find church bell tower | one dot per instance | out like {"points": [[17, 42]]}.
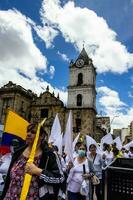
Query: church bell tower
{"points": [[82, 94]]}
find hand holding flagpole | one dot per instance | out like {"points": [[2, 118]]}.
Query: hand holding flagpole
{"points": [[28, 177]]}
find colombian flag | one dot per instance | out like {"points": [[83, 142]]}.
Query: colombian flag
{"points": [[15, 127]]}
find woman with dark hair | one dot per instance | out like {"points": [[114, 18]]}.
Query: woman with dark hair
{"points": [[82, 169], [98, 163], [45, 172]]}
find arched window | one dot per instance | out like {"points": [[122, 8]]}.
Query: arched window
{"points": [[79, 100], [80, 79]]}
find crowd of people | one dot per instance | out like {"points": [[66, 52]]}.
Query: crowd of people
{"points": [[55, 176]]}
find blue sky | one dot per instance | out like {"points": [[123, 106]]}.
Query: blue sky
{"points": [[38, 39]]}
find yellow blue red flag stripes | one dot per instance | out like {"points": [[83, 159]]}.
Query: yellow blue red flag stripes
{"points": [[27, 178], [16, 125]]}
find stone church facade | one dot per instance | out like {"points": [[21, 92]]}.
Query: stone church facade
{"points": [[81, 99]]}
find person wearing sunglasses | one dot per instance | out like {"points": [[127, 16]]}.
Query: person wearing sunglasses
{"points": [[46, 174]]}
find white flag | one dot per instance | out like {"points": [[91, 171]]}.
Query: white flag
{"points": [[118, 143], [89, 141], [69, 139], [106, 139], [55, 131], [75, 141], [128, 145]]}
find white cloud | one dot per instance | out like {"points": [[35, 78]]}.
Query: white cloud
{"points": [[47, 34], [63, 56], [112, 106], [101, 81], [36, 84], [20, 59], [123, 120], [110, 98], [18, 50], [52, 71], [81, 24], [130, 94]]}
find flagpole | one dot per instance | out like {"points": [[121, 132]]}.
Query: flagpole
{"points": [[28, 177]]}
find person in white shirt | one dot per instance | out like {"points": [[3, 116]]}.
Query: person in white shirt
{"points": [[124, 154], [98, 163], [108, 155], [81, 169]]}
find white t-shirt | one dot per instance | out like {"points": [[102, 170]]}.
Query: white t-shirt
{"points": [[75, 177], [109, 157], [125, 155], [75, 154]]}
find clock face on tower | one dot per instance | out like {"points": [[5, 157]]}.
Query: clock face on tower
{"points": [[79, 62]]}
